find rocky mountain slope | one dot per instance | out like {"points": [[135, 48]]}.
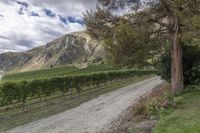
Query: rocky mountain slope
{"points": [[73, 48]]}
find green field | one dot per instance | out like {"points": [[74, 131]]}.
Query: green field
{"points": [[59, 71], [184, 119]]}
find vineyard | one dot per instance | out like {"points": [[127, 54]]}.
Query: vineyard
{"points": [[57, 71], [19, 92]]}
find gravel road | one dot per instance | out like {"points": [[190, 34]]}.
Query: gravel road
{"points": [[93, 116]]}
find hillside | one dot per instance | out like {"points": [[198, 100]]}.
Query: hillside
{"points": [[73, 48], [58, 71]]}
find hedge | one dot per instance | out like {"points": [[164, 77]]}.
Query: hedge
{"points": [[18, 91]]}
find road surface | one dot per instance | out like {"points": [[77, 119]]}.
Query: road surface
{"points": [[93, 116]]}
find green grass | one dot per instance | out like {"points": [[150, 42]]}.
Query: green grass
{"points": [[14, 117], [95, 68], [184, 119], [59, 71], [40, 73]]}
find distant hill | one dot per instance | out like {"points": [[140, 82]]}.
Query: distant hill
{"points": [[70, 49]]}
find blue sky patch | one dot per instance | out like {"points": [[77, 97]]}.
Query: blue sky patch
{"points": [[49, 13], [73, 19], [63, 19], [35, 14], [24, 4]]}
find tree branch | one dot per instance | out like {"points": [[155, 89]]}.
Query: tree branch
{"points": [[166, 8]]}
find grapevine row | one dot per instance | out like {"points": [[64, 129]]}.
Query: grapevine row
{"points": [[19, 91]]}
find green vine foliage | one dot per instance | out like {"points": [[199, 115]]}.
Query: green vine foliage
{"points": [[20, 91]]}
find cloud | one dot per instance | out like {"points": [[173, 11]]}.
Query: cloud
{"points": [[66, 7], [30, 23]]}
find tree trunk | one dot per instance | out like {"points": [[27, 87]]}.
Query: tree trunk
{"points": [[176, 55]]}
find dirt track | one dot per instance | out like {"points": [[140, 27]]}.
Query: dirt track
{"points": [[94, 116]]}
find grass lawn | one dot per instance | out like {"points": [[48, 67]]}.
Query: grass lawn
{"points": [[184, 119], [14, 117], [59, 71]]}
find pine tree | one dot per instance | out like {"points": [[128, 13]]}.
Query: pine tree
{"points": [[162, 20]]}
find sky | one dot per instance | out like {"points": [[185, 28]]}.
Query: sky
{"points": [[25, 24]]}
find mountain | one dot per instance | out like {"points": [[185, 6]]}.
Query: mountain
{"points": [[70, 49]]}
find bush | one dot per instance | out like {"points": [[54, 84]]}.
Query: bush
{"points": [[154, 106], [191, 65], [193, 88], [195, 73], [158, 100], [140, 107]]}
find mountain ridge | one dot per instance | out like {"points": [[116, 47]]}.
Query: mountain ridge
{"points": [[70, 49]]}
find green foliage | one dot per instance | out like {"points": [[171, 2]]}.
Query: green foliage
{"points": [[19, 91], [8, 92], [115, 4], [191, 59], [129, 47], [196, 22], [154, 106], [145, 31], [195, 73], [178, 100], [96, 21], [163, 64], [192, 88], [23, 91]]}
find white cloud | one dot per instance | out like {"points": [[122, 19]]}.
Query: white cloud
{"points": [[66, 7], [21, 28]]}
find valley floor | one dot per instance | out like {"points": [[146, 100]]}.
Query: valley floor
{"points": [[93, 116]]}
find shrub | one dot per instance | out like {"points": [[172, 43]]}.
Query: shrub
{"points": [[154, 105], [9, 93], [191, 61], [178, 100], [158, 100], [140, 106], [195, 73], [193, 88]]}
